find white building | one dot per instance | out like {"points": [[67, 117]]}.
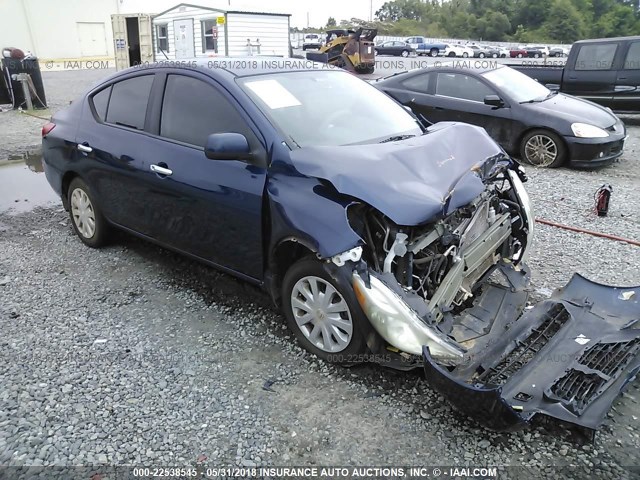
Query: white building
{"points": [[84, 29], [187, 31]]}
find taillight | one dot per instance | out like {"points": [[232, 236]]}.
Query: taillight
{"points": [[47, 128]]}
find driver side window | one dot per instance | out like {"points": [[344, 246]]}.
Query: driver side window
{"points": [[464, 87], [193, 109]]}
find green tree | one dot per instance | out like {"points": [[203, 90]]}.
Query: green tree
{"points": [[565, 23], [331, 22], [532, 13], [402, 9], [493, 26]]}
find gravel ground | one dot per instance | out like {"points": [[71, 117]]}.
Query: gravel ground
{"points": [[134, 355]]}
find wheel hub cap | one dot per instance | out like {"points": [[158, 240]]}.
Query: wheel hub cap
{"points": [[322, 314], [83, 214]]}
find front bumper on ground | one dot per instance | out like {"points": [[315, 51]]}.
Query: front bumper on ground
{"points": [[594, 152], [568, 358]]}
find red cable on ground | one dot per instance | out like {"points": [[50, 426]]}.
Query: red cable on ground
{"points": [[588, 232]]}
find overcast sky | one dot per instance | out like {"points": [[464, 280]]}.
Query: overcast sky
{"points": [[319, 10]]}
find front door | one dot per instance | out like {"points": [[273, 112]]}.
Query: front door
{"points": [[208, 208], [183, 31]]}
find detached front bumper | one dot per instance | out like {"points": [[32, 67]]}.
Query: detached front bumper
{"points": [[568, 358]]}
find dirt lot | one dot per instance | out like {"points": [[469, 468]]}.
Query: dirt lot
{"points": [[134, 355]]}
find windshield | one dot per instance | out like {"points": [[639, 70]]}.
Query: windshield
{"points": [[328, 108], [517, 85]]}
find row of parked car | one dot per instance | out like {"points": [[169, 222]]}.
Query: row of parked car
{"points": [[422, 46]]}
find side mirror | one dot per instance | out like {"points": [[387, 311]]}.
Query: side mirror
{"points": [[227, 146], [494, 101]]}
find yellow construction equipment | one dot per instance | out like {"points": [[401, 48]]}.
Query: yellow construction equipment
{"points": [[352, 50]]}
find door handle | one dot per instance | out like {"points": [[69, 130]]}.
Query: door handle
{"points": [[438, 108], [161, 170], [84, 148]]}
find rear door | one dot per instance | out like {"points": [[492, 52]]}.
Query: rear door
{"points": [[626, 95], [593, 75], [112, 146]]}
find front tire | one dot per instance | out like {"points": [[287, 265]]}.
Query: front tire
{"points": [[481, 55], [405, 53], [323, 312], [452, 54], [465, 55], [86, 217], [543, 148]]}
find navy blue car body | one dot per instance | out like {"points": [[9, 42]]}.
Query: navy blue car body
{"points": [[375, 234]]}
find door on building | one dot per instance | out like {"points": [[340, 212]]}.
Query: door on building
{"points": [[92, 38], [133, 42], [183, 30]]}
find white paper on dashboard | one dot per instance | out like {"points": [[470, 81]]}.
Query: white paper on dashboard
{"points": [[273, 94]]}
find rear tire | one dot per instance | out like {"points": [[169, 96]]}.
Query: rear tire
{"points": [[481, 55], [451, 54], [465, 55], [543, 148], [334, 328], [86, 217], [434, 52], [405, 53]]}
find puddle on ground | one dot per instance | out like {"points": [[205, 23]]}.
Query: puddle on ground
{"points": [[23, 185]]}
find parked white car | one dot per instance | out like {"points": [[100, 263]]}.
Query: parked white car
{"points": [[456, 50], [311, 40], [542, 48]]}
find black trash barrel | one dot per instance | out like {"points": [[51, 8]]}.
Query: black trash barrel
{"points": [[15, 65]]}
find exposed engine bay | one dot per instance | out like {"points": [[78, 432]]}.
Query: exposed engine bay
{"points": [[444, 262]]}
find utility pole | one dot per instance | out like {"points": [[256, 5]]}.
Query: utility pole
{"points": [[371, 10], [307, 19]]}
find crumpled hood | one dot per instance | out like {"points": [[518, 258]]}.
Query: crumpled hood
{"points": [[411, 181]]}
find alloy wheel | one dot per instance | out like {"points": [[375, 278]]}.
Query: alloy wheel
{"points": [[322, 314], [83, 213], [541, 150]]}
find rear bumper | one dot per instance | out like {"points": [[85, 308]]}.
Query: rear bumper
{"points": [[567, 358], [594, 152]]}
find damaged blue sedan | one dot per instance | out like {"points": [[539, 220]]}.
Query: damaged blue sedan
{"points": [[378, 237]]}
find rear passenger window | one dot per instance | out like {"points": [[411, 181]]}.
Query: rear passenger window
{"points": [[128, 103], [632, 62], [192, 110], [100, 102], [596, 57]]}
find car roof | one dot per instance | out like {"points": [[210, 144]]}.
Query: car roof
{"points": [[446, 67], [612, 39], [231, 67]]}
